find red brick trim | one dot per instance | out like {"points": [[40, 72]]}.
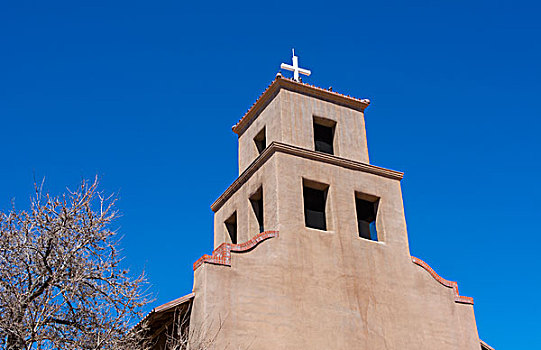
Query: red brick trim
{"points": [[451, 284], [222, 254]]}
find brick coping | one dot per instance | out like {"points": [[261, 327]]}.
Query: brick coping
{"points": [[451, 284], [222, 254]]}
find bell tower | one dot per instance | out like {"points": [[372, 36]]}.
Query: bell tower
{"points": [[311, 118], [311, 248]]}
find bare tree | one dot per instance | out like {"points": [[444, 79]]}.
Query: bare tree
{"points": [[179, 335], [61, 283]]}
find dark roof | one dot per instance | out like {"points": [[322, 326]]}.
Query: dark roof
{"points": [[485, 346], [155, 317]]}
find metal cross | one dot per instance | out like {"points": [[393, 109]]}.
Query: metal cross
{"points": [[295, 68]]}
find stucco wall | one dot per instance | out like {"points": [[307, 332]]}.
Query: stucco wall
{"points": [[313, 289], [329, 289], [268, 118], [247, 223], [288, 118], [298, 112]]}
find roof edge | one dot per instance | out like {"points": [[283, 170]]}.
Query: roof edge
{"points": [[174, 303], [164, 307], [304, 153], [485, 345], [284, 83]]}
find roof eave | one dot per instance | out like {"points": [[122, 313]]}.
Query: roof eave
{"points": [[163, 308], [485, 345]]}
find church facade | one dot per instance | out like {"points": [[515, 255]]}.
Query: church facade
{"points": [[311, 246]]}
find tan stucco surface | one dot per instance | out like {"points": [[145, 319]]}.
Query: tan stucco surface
{"points": [[313, 289], [288, 118]]}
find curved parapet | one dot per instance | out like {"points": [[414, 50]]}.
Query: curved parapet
{"points": [[222, 254], [450, 284]]}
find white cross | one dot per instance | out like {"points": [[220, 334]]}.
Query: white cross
{"points": [[295, 68]]}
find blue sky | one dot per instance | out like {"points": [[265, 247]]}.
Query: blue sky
{"points": [[144, 94]]}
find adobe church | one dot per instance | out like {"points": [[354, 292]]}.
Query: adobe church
{"points": [[311, 246]]}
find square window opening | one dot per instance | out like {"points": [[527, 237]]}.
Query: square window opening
{"points": [[257, 205], [231, 226], [260, 141], [315, 202], [324, 135], [367, 209]]}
